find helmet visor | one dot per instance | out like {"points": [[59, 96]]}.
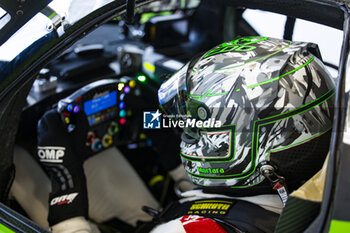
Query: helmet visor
{"points": [[175, 101], [168, 93]]}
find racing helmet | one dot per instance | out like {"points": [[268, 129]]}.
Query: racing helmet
{"points": [[251, 104]]}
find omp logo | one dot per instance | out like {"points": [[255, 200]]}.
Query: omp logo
{"points": [[51, 154], [64, 199]]}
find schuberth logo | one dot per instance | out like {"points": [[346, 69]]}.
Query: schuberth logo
{"points": [[51, 154], [210, 207], [64, 199]]}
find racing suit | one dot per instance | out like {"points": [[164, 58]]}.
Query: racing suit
{"points": [[202, 212], [215, 213]]}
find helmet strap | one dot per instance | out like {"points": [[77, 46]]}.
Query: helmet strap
{"points": [[278, 182]]}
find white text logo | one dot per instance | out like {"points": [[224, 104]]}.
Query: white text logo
{"points": [[51, 154], [64, 199], [191, 123]]}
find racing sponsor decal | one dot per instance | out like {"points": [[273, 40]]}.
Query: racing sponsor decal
{"points": [[64, 199], [211, 170], [210, 207], [51, 154]]}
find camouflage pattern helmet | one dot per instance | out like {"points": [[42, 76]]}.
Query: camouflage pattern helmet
{"points": [[274, 101]]}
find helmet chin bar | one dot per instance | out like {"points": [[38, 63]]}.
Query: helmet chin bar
{"points": [[278, 182]]}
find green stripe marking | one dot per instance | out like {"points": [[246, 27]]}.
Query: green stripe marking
{"points": [[256, 59], [207, 94], [250, 41], [277, 78], [195, 96], [52, 15], [223, 93], [338, 226], [256, 41], [4, 229]]}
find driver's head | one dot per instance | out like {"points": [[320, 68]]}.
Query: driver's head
{"points": [[274, 101]]}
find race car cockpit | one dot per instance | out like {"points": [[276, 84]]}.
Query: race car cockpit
{"points": [[103, 87], [89, 146]]}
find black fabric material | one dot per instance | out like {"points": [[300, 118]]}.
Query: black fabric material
{"points": [[297, 215], [297, 169], [59, 154], [243, 216]]}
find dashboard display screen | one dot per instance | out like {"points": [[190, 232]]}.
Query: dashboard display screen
{"points": [[100, 103]]}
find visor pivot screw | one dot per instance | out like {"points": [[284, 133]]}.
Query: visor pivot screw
{"points": [[202, 113], [266, 170]]}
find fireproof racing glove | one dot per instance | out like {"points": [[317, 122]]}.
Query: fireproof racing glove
{"points": [[61, 155]]}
